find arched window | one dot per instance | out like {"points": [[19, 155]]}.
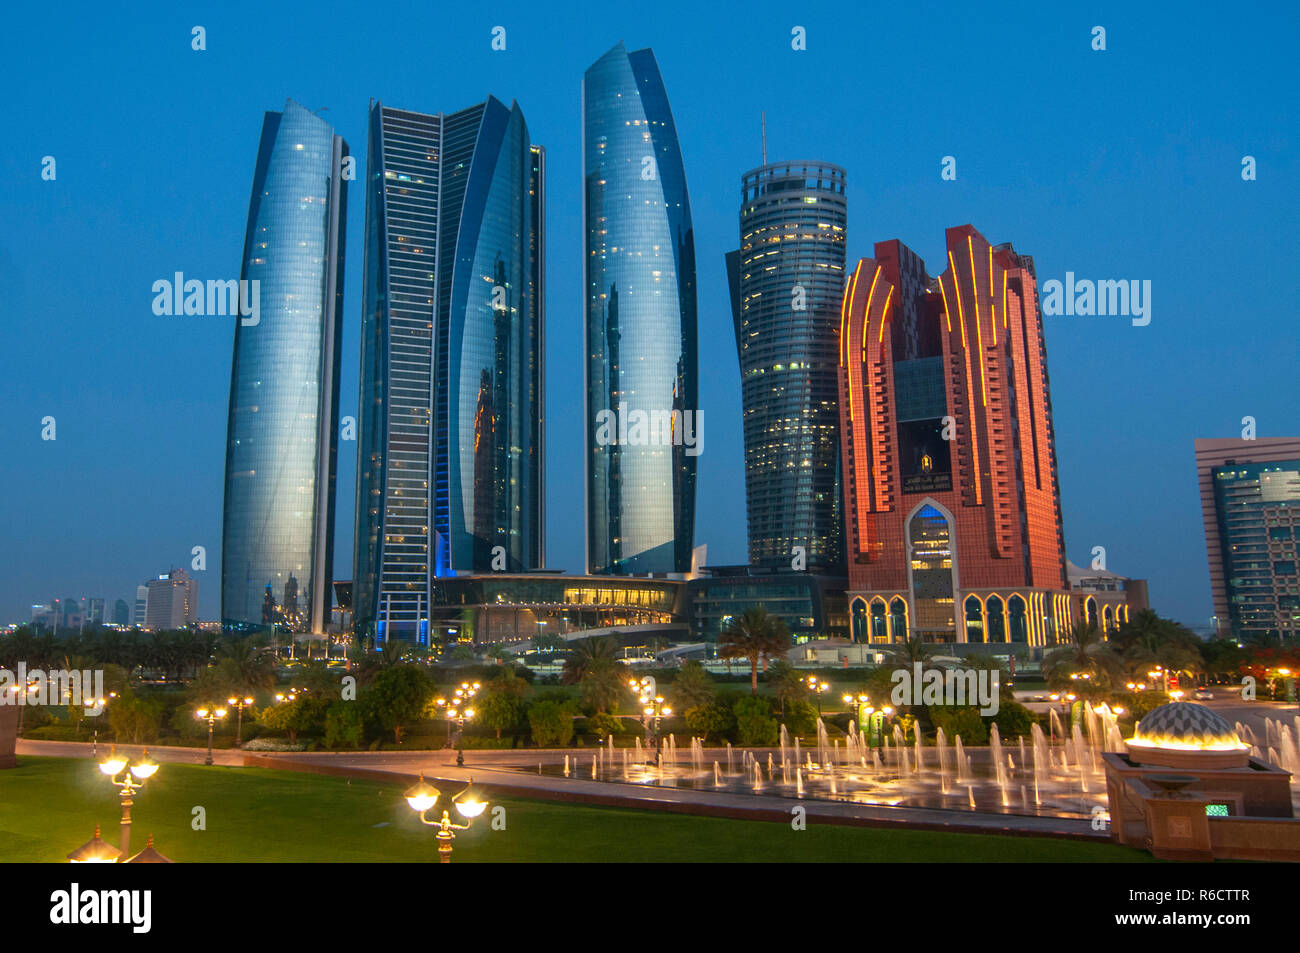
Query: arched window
{"points": [[929, 539], [1016, 617], [1107, 620], [997, 622], [898, 619], [858, 623], [879, 631], [1090, 610], [974, 620]]}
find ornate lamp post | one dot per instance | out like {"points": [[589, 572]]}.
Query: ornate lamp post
{"points": [[239, 704], [210, 715], [458, 710], [423, 796], [129, 778], [818, 688]]}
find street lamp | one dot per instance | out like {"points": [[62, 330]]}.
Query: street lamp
{"points": [[652, 706], [210, 715], [239, 704], [423, 796], [458, 710], [129, 778], [817, 687]]}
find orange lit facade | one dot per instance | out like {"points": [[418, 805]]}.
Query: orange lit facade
{"points": [[952, 507]]}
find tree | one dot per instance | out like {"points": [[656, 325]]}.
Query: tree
{"points": [[1084, 654], [344, 725], [1149, 640], [135, 719], [248, 668], [692, 687], [754, 722], [300, 714], [551, 723], [584, 653], [602, 685], [398, 696], [548, 641], [499, 712], [756, 635], [786, 683], [710, 720]]}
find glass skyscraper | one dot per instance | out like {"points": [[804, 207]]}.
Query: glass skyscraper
{"points": [[450, 465], [281, 443], [1250, 493], [787, 285], [644, 430]]}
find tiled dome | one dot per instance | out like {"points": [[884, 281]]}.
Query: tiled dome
{"points": [[1185, 726]]}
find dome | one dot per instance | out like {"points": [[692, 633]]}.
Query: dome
{"points": [[1185, 726]]}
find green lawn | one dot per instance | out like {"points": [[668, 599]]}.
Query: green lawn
{"points": [[49, 806]]}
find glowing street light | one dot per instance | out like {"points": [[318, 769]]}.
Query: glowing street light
{"points": [[129, 777], [239, 704], [95, 851], [422, 796], [818, 688], [210, 715]]}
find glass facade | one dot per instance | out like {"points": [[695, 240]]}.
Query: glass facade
{"points": [[640, 323], [787, 285], [811, 605], [281, 445], [1257, 506], [450, 441]]}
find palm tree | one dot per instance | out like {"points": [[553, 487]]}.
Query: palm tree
{"points": [[250, 669], [907, 653], [585, 653], [1086, 653], [1150, 640], [756, 635]]}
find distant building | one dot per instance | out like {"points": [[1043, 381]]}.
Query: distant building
{"points": [[121, 613], [173, 601], [95, 614], [282, 431], [450, 462], [140, 614], [952, 504], [787, 287], [811, 605], [1250, 504], [643, 429], [500, 607], [1109, 599]]}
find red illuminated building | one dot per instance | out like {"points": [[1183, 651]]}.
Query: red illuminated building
{"points": [[952, 506]]}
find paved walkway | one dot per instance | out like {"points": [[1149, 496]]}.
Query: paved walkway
{"points": [[164, 754]]}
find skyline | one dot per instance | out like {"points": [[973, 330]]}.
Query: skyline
{"points": [[101, 513]]}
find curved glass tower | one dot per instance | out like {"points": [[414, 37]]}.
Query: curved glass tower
{"points": [[281, 443], [449, 475], [644, 430], [787, 284]]}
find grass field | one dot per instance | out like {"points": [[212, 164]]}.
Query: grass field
{"points": [[49, 806]]}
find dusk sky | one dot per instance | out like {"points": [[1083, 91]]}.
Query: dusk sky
{"points": [[1120, 164]]}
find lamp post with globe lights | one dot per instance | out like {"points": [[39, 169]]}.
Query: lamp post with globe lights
{"points": [[459, 709], [423, 796], [210, 715], [818, 688], [129, 777], [239, 704]]}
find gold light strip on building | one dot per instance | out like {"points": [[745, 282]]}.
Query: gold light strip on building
{"points": [[979, 332], [946, 315], [956, 290], [993, 311], [885, 314], [866, 315], [1004, 298], [844, 315]]}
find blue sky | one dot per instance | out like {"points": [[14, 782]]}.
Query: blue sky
{"points": [[1117, 164]]}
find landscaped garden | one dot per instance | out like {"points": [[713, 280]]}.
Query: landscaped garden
{"points": [[49, 806]]}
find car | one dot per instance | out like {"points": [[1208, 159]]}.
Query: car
{"points": [[1204, 695]]}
